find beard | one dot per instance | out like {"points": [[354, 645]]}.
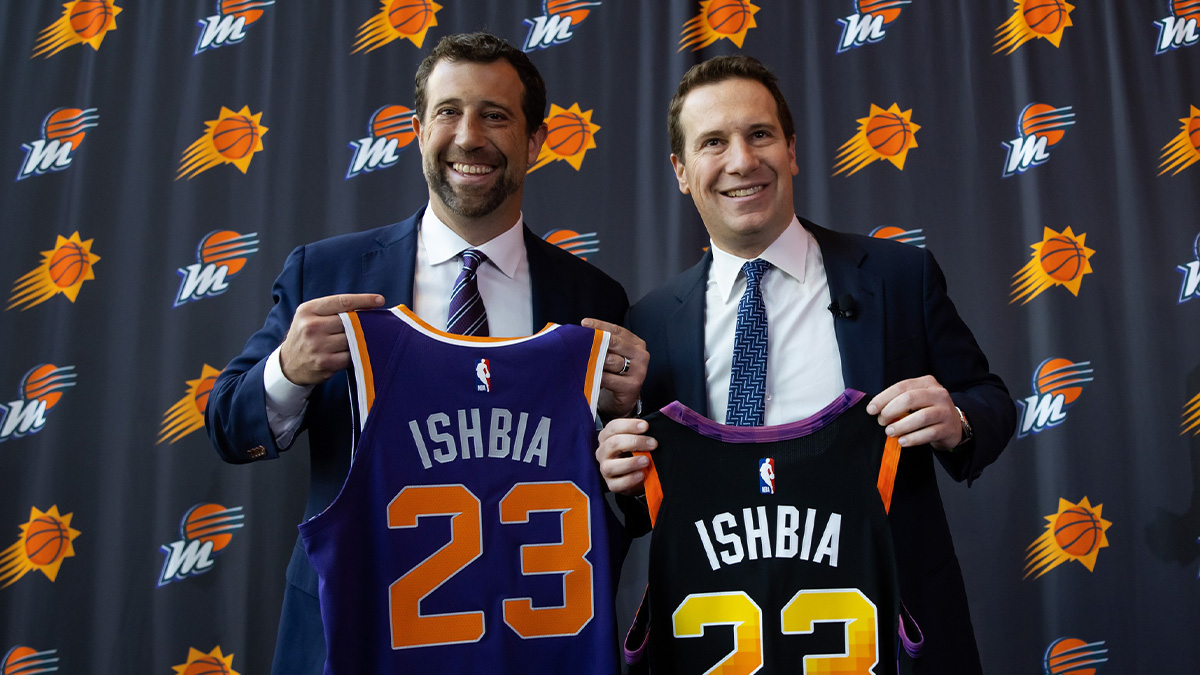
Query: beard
{"points": [[470, 203]]}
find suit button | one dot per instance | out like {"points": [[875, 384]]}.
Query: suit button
{"points": [[256, 452]]}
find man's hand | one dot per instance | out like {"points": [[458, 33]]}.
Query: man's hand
{"points": [[623, 472], [316, 346], [624, 370], [918, 411]]}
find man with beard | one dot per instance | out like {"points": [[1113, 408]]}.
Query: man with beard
{"points": [[480, 105]]}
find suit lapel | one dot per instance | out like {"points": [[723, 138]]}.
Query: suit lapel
{"points": [[685, 337], [860, 337], [550, 297], [389, 267]]}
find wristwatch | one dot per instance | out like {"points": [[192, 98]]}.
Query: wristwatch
{"points": [[967, 432]]}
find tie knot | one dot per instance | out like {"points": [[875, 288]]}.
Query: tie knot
{"points": [[472, 259], [754, 271]]}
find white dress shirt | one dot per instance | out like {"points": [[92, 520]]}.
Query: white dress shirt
{"points": [[504, 285], [804, 366]]}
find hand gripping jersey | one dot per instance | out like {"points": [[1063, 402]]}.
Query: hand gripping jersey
{"points": [[771, 549], [471, 533]]}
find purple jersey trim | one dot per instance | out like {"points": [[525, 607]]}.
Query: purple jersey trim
{"points": [[728, 434]]}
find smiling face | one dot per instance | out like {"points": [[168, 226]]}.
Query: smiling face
{"points": [[736, 164], [475, 149]]}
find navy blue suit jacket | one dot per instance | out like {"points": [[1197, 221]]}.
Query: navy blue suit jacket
{"points": [[565, 289], [904, 326]]}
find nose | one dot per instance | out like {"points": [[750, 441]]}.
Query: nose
{"points": [[469, 134], [742, 158]]}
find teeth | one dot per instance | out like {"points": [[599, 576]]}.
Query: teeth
{"points": [[471, 169], [745, 192]]}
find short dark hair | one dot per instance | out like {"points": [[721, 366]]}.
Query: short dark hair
{"points": [[719, 69], [486, 48]]}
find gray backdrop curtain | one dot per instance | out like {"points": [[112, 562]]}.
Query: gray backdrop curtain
{"points": [[129, 547]]}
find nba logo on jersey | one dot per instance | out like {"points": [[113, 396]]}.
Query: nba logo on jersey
{"points": [[483, 373], [766, 476]]}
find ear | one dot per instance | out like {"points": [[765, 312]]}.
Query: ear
{"points": [[416, 127], [792, 155], [681, 174], [536, 141]]}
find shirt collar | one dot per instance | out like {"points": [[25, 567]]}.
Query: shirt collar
{"points": [[787, 252], [443, 245]]}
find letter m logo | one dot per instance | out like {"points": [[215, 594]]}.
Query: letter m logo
{"points": [[1024, 153], [220, 30], [42, 156], [185, 558], [22, 417], [545, 31], [859, 29], [1040, 412]]}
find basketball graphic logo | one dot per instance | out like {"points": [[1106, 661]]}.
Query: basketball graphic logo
{"points": [[187, 415], [1180, 28], [1183, 150], [206, 529], [1040, 126], [867, 24], [1075, 533], [212, 663], [718, 20], [570, 134], [63, 131], [1059, 259], [46, 540], [25, 660], [1191, 417], [82, 22], [389, 131], [1046, 19], [63, 270], [581, 245], [228, 25], [232, 138], [914, 237], [882, 135], [40, 390], [1057, 384], [1072, 656], [220, 255], [408, 19], [555, 24]]}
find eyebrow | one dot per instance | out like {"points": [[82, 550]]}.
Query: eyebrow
{"points": [[486, 104]]}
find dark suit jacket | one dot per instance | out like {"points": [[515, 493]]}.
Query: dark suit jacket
{"points": [[565, 290], [904, 326]]}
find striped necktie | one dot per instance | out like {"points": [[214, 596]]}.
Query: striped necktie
{"points": [[748, 376], [467, 314]]}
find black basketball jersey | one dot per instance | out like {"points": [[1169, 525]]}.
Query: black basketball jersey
{"points": [[771, 550]]}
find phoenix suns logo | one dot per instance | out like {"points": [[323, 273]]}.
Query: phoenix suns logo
{"points": [[21, 660], [1179, 28], [555, 24], [1075, 533], [575, 243], [187, 415], [39, 391], [232, 138], [1072, 656], [82, 22], [63, 270], [1040, 127], [63, 131], [220, 255], [206, 529], [212, 663], [570, 134], [1191, 417], [228, 25], [718, 20], [1057, 384], [1183, 150], [868, 23], [882, 135], [46, 540], [915, 237], [1045, 19], [1191, 275], [408, 19], [389, 131], [1059, 259]]}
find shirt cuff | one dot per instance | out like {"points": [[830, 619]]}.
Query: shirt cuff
{"points": [[285, 401]]}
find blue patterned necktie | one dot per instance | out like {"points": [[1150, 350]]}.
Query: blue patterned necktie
{"points": [[748, 379], [467, 314]]}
